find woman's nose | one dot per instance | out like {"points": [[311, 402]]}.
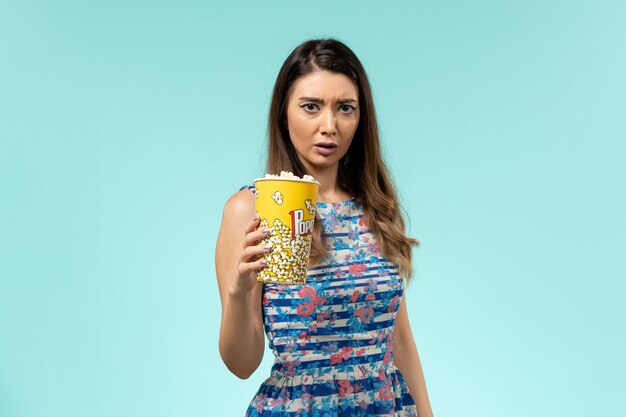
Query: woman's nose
{"points": [[328, 124]]}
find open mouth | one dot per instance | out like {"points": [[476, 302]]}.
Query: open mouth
{"points": [[327, 145], [326, 148]]}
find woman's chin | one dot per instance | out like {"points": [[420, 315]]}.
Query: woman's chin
{"points": [[318, 162]]}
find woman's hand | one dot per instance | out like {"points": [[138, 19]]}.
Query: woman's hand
{"points": [[250, 262]]}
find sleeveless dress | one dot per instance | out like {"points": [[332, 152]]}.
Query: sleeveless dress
{"points": [[332, 337]]}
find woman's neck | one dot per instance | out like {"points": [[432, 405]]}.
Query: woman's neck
{"points": [[329, 190]]}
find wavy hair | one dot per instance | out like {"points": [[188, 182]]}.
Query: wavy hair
{"points": [[362, 170]]}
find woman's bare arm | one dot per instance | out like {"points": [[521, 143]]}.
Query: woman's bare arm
{"points": [[242, 339], [407, 360]]}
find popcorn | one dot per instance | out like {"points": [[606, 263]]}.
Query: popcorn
{"points": [[277, 197], [288, 258], [310, 206], [291, 176]]}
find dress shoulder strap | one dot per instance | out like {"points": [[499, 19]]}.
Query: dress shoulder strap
{"points": [[250, 187]]}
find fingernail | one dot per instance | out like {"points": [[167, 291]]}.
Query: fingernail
{"points": [[256, 215], [266, 231], [268, 246], [263, 263]]}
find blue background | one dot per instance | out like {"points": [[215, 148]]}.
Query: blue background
{"points": [[125, 126]]}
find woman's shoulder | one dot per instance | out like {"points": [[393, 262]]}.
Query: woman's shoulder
{"points": [[241, 203]]}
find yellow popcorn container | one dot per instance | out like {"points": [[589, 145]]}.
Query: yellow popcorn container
{"points": [[286, 206]]}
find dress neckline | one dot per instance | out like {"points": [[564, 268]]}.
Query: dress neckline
{"points": [[336, 203]]}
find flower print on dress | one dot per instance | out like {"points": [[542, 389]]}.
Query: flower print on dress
{"points": [[305, 309], [357, 269], [364, 314]]}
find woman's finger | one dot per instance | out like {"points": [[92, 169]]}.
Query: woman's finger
{"points": [[247, 267], [253, 237], [254, 223], [252, 251]]}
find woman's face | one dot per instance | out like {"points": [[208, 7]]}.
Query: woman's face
{"points": [[322, 116]]}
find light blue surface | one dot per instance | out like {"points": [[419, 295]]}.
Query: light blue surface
{"points": [[125, 126]]}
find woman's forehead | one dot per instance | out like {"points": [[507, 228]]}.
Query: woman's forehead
{"points": [[324, 84]]}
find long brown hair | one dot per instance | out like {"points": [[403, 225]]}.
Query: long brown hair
{"points": [[362, 170]]}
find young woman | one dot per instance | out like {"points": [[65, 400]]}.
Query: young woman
{"points": [[342, 341]]}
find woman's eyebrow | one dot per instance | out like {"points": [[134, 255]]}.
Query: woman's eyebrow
{"points": [[320, 101]]}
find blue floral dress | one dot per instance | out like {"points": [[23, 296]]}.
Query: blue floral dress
{"points": [[332, 337]]}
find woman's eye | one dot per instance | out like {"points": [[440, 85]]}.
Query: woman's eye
{"points": [[346, 108], [309, 107]]}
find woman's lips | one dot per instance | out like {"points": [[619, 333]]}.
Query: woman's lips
{"points": [[326, 150]]}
